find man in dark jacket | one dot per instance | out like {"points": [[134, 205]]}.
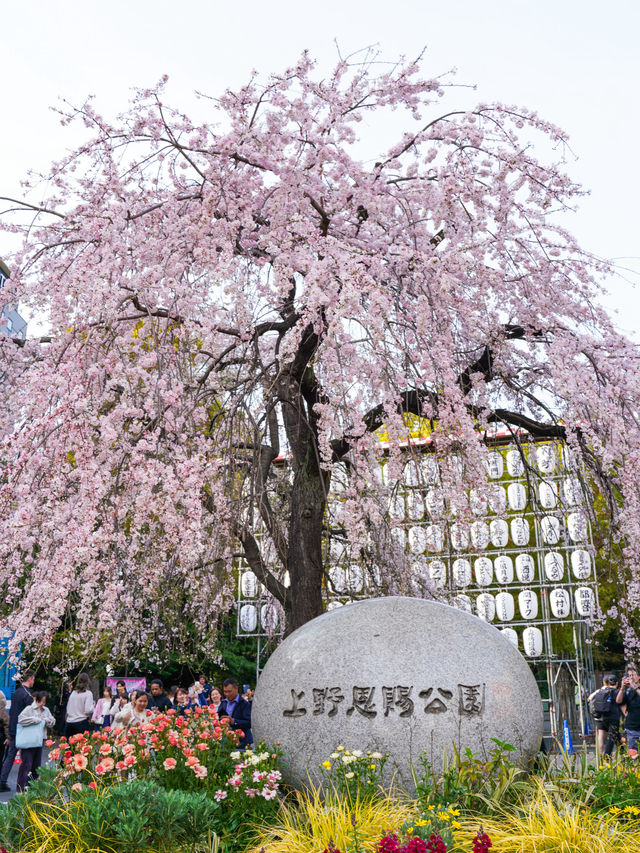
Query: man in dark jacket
{"points": [[19, 701], [236, 711], [158, 699]]}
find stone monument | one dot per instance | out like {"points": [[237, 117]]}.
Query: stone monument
{"points": [[396, 675]]}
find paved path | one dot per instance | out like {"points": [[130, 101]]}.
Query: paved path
{"points": [[5, 796]]}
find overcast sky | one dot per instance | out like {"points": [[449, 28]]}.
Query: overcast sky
{"points": [[576, 62]]}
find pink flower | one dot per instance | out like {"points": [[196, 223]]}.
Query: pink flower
{"points": [[268, 793], [251, 792], [235, 781], [77, 786], [79, 763], [200, 771], [107, 763], [220, 795], [169, 763], [130, 760], [100, 770], [191, 761]]}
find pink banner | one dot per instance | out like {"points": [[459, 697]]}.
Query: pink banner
{"points": [[130, 683]]}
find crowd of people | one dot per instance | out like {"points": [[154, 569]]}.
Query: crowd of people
{"points": [[24, 727]]}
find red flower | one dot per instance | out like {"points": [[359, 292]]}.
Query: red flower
{"points": [[389, 844], [482, 842]]}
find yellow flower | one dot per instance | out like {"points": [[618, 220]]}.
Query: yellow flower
{"points": [[614, 810], [421, 822], [431, 808], [327, 764], [456, 825], [453, 811], [340, 748], [410, 830], [372, 767], [443, 816]]}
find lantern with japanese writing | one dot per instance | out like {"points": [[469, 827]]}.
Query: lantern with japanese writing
{"points": [[532, 642]]}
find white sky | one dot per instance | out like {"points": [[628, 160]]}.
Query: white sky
{"points": [[577, 62]]}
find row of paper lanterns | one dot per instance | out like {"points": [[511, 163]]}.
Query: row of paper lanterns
{"points": [[502, 605], [480, 535], [414, 504], [545, 459], [252, 616], [532, 643]]}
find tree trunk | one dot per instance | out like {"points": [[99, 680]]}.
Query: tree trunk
{"points": [[304, 598]]}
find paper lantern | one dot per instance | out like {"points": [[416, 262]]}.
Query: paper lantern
{"points": [[463, 602], [435, 503], [548, 493], [550, 527], [560, 602], [515, 465], [337, 550], [338, 579], [569, 458], [459, 536], [585, 601], [499, 532], [269, 618], [528, 603], [417, 540], [415, 506], [486, 606], [511, 635], [517, 496], [435, 538], [497, 499], [554, 566], [249, 585], [577, 526], [505, 606], [286, 581], [572, 490], [411, 474], [479, 535], [494, 465], [248, 618], [520, 530], [483, 570], [478, 502], [546, 458], [397, 509], [503, 566], [355, 579], [525, 568], [398, 537], [581, 564], [430, 470], [461, 570], [438, 573], [532, 642]]}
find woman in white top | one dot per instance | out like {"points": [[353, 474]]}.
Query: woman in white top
{"points": [[133, 712], [31, 757], [103, 713], [80, 707]]}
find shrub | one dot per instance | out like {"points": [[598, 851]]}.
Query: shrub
{"points": [[354, 774]]}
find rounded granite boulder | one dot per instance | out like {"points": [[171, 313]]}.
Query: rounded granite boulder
{"points": [[402, 676]]}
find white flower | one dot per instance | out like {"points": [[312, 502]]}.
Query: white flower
{"points": [[220, 795], [235, 756], [357, 753], [334, 755], [376, 755], [349, 775]]}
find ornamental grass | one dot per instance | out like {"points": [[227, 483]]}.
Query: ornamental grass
{"points": [[316, 820], [547, 823]]}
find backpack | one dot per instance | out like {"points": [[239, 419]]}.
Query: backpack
{"points": [[600, 703]]}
